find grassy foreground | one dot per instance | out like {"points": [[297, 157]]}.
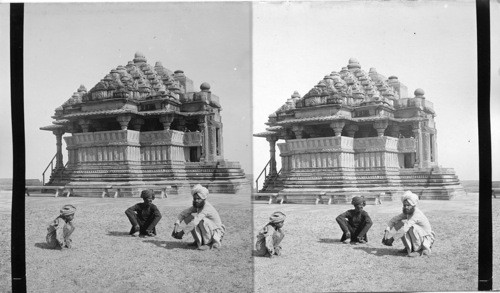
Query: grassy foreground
{"points": [[106, 259], [314, 260]]}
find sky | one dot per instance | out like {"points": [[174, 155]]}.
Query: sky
{"points": [[66, 45], [428, 45]]}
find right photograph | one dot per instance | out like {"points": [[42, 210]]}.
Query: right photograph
{"points": [[365, 149]]}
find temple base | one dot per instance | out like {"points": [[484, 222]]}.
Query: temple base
{"points": [[338, 187], [130, 180]]}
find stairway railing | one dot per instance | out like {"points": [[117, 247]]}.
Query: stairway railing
{"points": [[260, 174], [51, 165]]}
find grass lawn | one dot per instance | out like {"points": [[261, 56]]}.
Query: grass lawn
{"points": [[106, 259], [314, 259]]}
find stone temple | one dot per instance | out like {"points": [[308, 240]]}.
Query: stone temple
{"points": [[356, 133], [143, 125]]}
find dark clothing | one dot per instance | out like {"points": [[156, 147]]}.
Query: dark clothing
{"points": [[357, 224], [145, 216]]}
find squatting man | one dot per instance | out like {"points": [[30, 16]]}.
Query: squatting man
{"points": [[412, 226], [59, 231], [202, 220]]}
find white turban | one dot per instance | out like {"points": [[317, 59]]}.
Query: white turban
{"points": [[277, 217], [200, 190], [68, 210], [411, 197]]}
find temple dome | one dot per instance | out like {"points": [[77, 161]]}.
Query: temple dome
{"points": [[353, 64], [419, 92], [82, 89], [205, 86], [295, 95], [139, 58]]}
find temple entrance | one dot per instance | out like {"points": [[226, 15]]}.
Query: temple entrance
{"points": [[409, 160], [194, 154]]}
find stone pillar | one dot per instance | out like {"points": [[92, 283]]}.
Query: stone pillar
{"points": [[221, 142], [417, 132], [84, 123], [297, 129], [124, 120], [166, 121], [272, 151], [202, 126], [434, 148], [337, 127], [427, 149], [137, 124], [351, 129], [395, 130], [211, 145], [380, 126], [59, 155]]}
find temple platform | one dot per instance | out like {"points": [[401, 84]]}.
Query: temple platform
{"points": [[305, 186]]}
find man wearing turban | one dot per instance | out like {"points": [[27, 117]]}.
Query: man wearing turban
{"points": [[270, 236], [144, 216], [355, 223], [202, 220], [59, 231], [413, 225]]}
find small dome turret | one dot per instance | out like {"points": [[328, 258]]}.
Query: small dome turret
{"points": [[295, 95], [139, 58], [419, 93], [205, 86], [353, 64]]}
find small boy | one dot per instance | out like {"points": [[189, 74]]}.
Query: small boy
{"points": [[270, 236], [355, 223], [60, 230], [144, 216]]}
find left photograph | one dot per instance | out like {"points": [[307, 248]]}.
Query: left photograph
{"points": [[138, 147]]}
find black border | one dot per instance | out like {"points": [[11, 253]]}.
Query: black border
{"points": [[18, 252], [485, 251]]}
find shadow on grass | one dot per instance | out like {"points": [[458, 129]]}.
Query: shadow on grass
{"points": [[256, 253], [380, 251], [170, 244], [118, 233], [43, 245], [329, 240]]}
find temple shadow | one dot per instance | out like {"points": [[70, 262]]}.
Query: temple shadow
{"points": [[119, 234], [170, 244], [329, 240], [380, 251], [43, 245]]}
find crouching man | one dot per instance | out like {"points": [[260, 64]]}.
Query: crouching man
{"points": [[413, 225], [144, 216], [202, 220], [270, 236], [60, 230], [355, 223]]}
